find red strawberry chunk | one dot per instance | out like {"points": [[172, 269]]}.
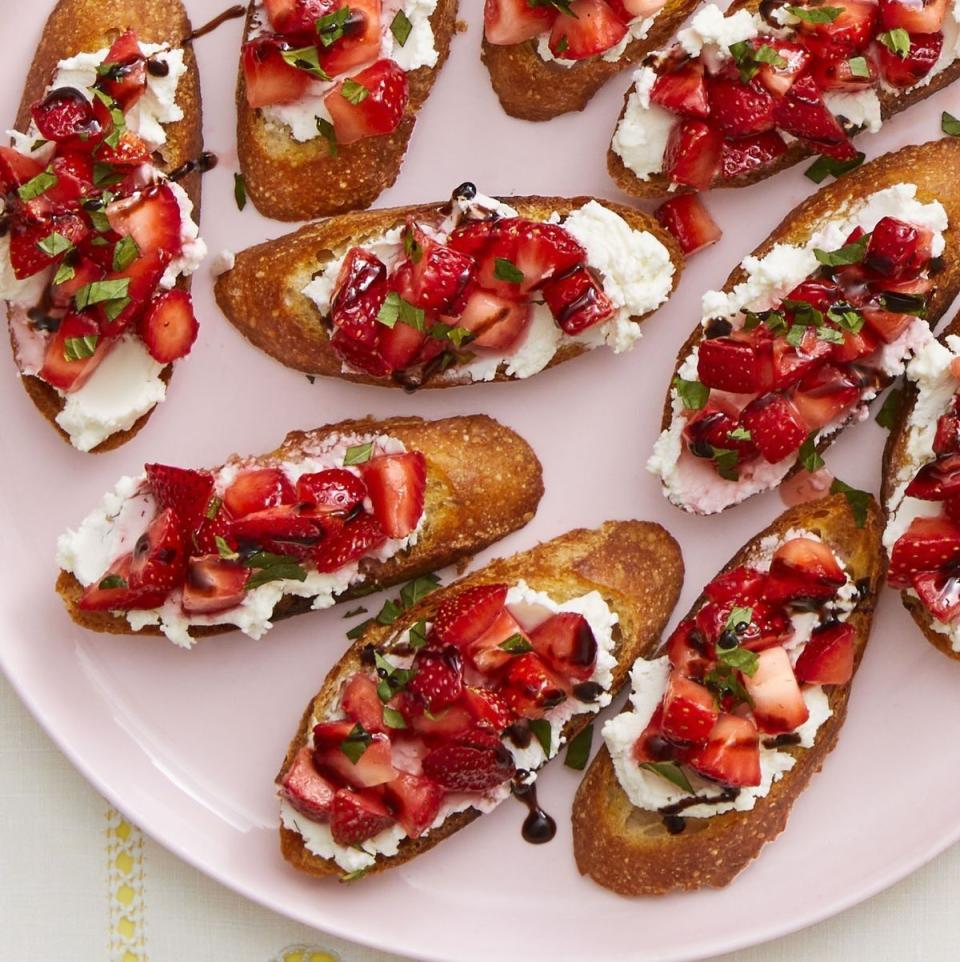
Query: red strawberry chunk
{"points": [[151, 218], [124, 71], [828, 657], [689, 222], [929, 544], [130, 151], [742, 584], [940, 593], [16, 169], [769, 625], [85, 271], [487, 707], [336, 490], [846, 35], [778, 78], [26, 256], [775, 426], [778, 704], [825, 394], [652, 746], [436, 727], [589, 28], [361, 39], [159, 555], [306, 789], [438, 273], [843, 76], [372, 767], [358, 356], [506, 22], [286, 529], [214, 584], [297, 18], [472, 763], [689, 711], [567, 644], [496, 322], [747, 154], [803, 113], [808, 560], [416, 801], [257, 489], [400, 346], [692, 154], [113, 591], [914, 16], [473, 237], [185, 491], [168, 326], [731, 755], [463, 618], [682, 90], [359, 294], [855, 346], [729, 364], [897, 249], [485, 652], [268, 78], [577, 300], [740, 109], [937, 480], [397, 485], [357, 816], [358, 537], [142, 275], [439, 677], [64, 115], [74, 352], [530, 687], [361, 703], [947, 438], [710, 429], [688, 651], [379, 112], [537, 250]]}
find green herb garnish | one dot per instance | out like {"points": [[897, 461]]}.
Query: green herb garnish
{"points": [[949, 124], [897, 41], [354, 91], [506, 270], [693, 394], [848, 254], [858, 500], [824, 167], [272, 567], [395, 309], [516, 645], [400, 27], [672, 772], [356, 743], [543, 733], [816, 14], [890, 409], [37, 185], [55, 243], [578, 751], [239, 191], [112, 581], [125, 253], [79, 348], [808, 455], [307, 59], [358, 453]]}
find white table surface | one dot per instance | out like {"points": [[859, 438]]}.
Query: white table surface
{"points": [[78, 883]]}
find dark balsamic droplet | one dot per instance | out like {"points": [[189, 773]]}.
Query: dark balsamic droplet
{"points": [[717, 327], [466, 191], [674, 824], [231, 13], [538, 826], [157, 68], [587, 691], [519, 733]]}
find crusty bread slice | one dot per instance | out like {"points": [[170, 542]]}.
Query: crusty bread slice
{"points": [[659, 185], [894, 455], [532, 88], [290, 180], [77, 26], [635, 565], [930, 166], [483, 481], [629, 850], [262, 295]]}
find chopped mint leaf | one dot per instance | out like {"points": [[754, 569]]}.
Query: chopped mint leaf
{"points": [[356, 742], [846, 317], [307, 59], [112, 581], [915, 304], [113, 309], [330, 26], [859, 66], [739, 658], [808, 455], [516, 645], [749, 60], [125, 253], [358, 453], [212, 508], [457, 336], [897, 41], [724, 681], [357, 630], [543, 733], [272, 567], [949, 124], [401, 27], [326, 131], [816, 14], [239, 191], [97, 292], [105, 174], [739, 619], [848, 254], [224, 549], [353, 612], [354, 91], [411, 246], [55, 243], [419, 588], [726, 461], [392, 718], [740, 434], [858, 500], [672, 772], [354, 875], [890, 409], [578, 751], [65, 272], [389, 613], [395, 309], [562, 44], [392, 679], [506, 270], [824, 167], [693, 394], [37, 185], [418, 635], [78, 348]]}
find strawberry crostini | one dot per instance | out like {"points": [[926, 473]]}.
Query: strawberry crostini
{"points": [[352, 506], [98, 241], [797, 347], [741, 96], [439, 295], [922, 495]]}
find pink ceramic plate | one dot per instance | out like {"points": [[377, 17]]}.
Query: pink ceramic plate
{"points": [[187, 743]]}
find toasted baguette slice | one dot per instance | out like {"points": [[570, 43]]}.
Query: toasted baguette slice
{"points": [[930, 167], [659, 185], [262, 296], [629, 850], [895, 461], [483, 481], [532, 88], [635, 565], [78, 26], [291, 180]]}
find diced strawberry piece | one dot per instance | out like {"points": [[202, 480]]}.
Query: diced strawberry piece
{"points": [[124, 71], [825, 394], [841, 75], [940, 593], [152, 219], [361, 702], [185, 491], [530, 687], [779, 78], [113, 591], [937, 480], [567, 643], [710, 429], [204, 538], [487, 707], [74, 173], [729, 364], [819, 292], [360, 42], [16, 169], [439, 273], [358, 537], [791, 363], [85, 271], [496, 322], [297, 19], [747, 154], [357, 816], [742, 584], [26, 256], [929, 544], [330, 734], [846, 35], [906, 71], [379, 112], [689, 711], [416, 800], [214, 584], [778, 704], [360, 291], [888, 325], [336, 490], [463, 618], [914, 16], [306, 789], [473, 237], [268, 78], [652, 746], [168, 326], [897, 249], [689, 222], [473, 762], [951, 508], [130, 151], [159, 555], [485, 652], [775, 426], [507, 22], [769, 625], [692, 154], [682, 90], [257, 489], [739, 109], [803, 113], [855, 346], [372, 767], [731, 755], [577, 300], [589, 28], [439, 677], [947, 438], [688, 651], [537, 250], [64, 115], [828, 657], [628, 10], [73, 353], [285, 530], [440, 726], [397, 484], [143, 277], [400, 346], [803, 568]]}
